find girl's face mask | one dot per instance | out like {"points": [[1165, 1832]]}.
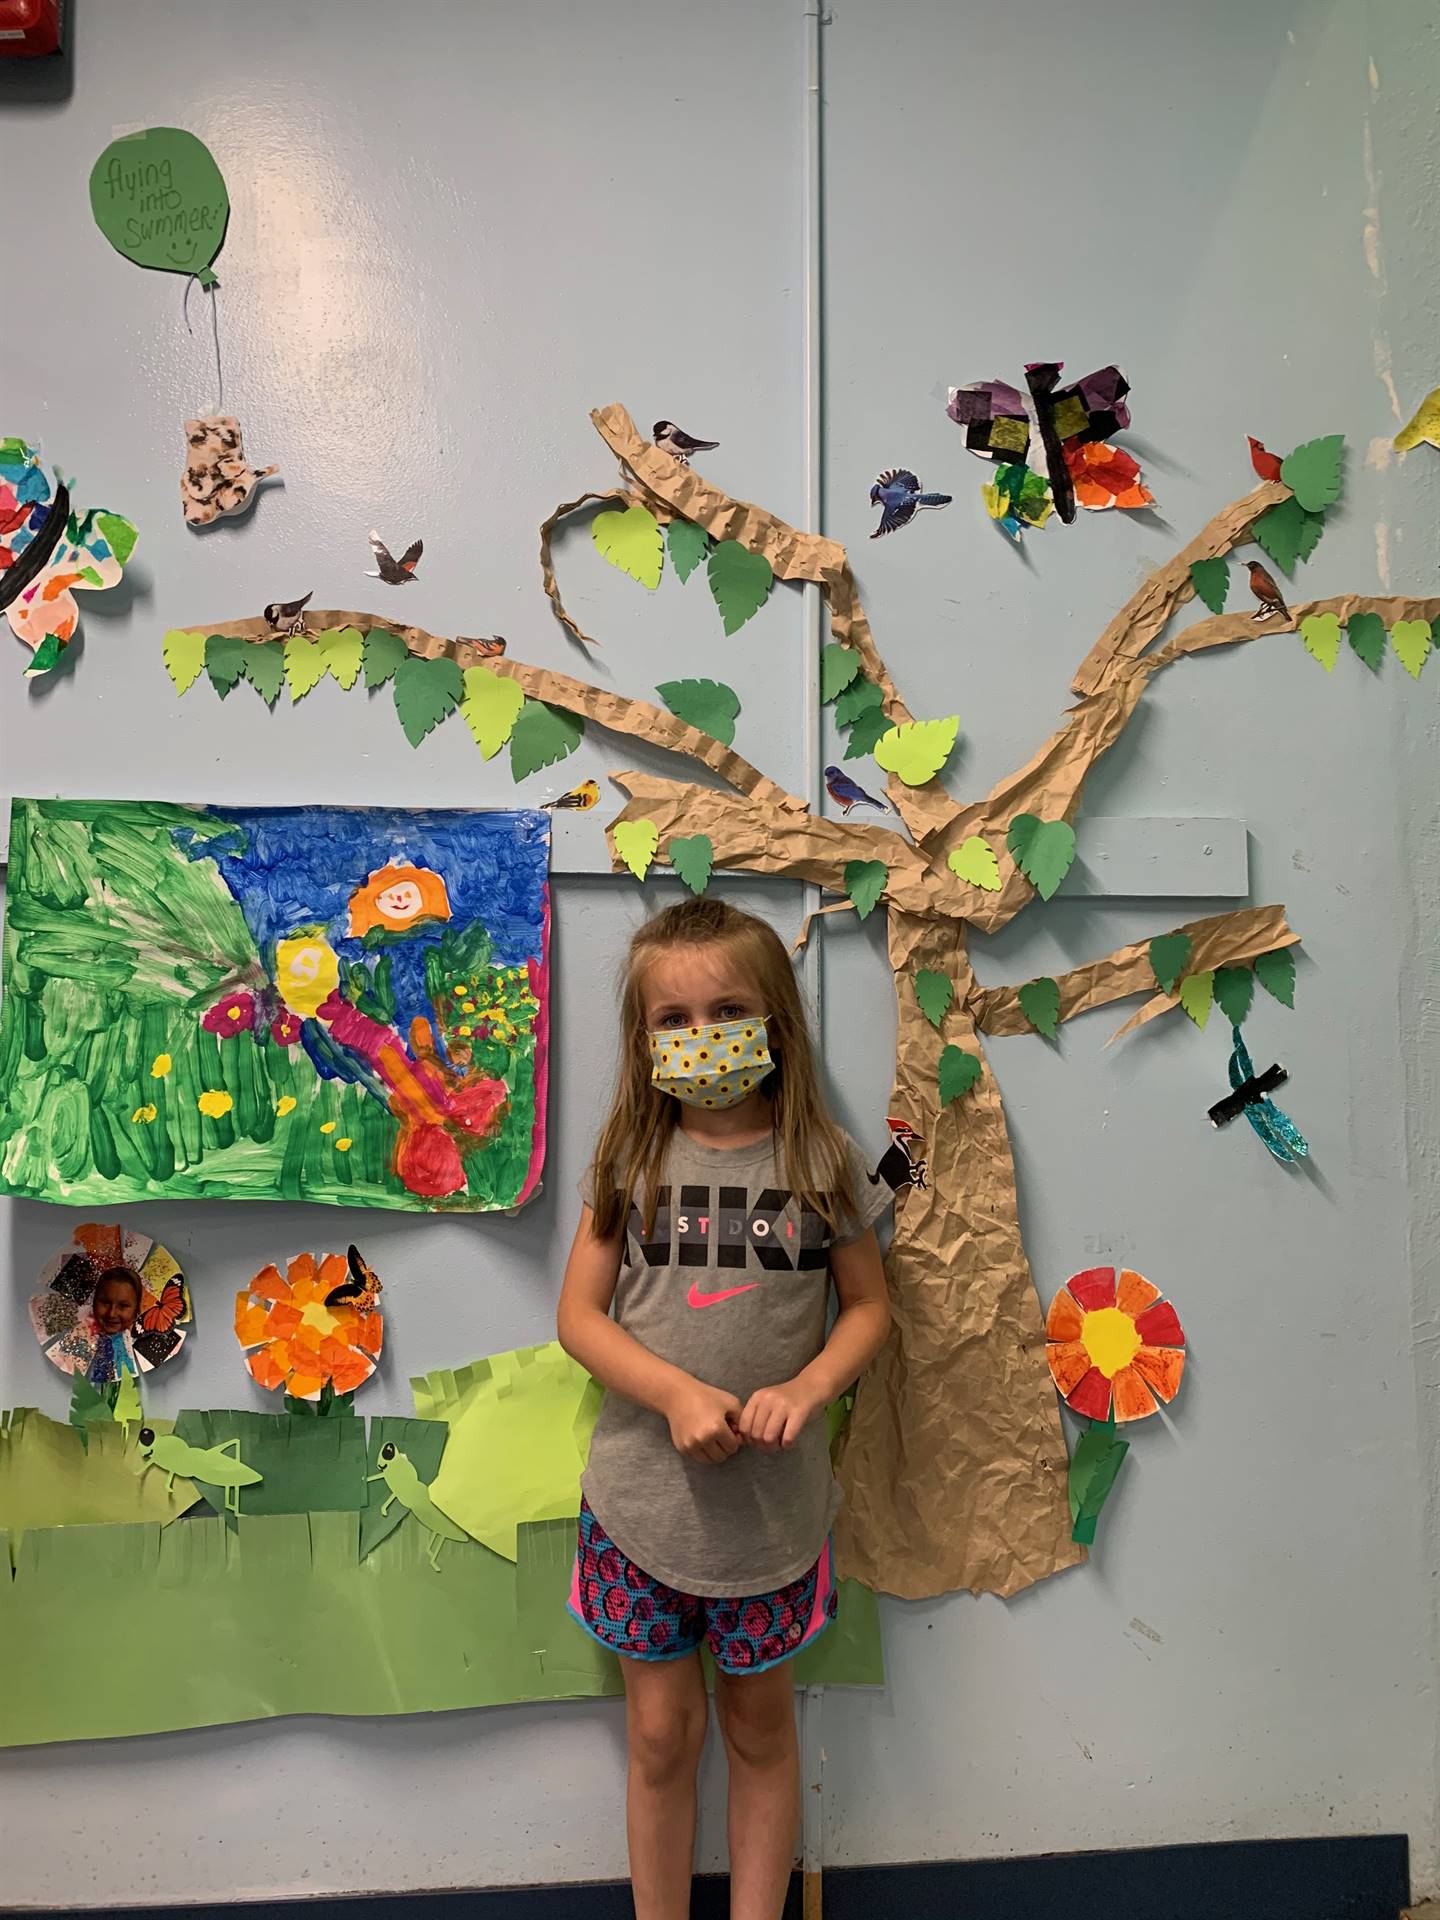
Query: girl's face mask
{"points": [[711, 1066]]}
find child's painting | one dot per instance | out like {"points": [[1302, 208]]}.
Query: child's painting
{"points": [[271, 1003]]}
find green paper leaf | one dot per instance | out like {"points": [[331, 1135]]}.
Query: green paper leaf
{"points": [[740, 582], [867, 728], [635, 841], [304, 665], [861, 696], [425, 692], [45, 657], [1040, 1004], [1042, 849], [1211, 579], [707, 704], [692, 857], [1366, 633], [490, 708], [916, 750], [688, 545], [159, 198], [1234, 990], [184, 657], [542, 735], [1411, 640], [224, 661], [343, 651], [1321, 635], [383, 653], [958, 1072], [838, 667], [1168, 955], [265, 668], [630, 540], [934, 991], [1093, 1466], [1312, 472], [1288, 533], [865, 882], [1197, 992], [1276, 973], [118, 533], [974, 862]]}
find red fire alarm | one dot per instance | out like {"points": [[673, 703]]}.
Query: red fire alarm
{"points": [[30, 27]]}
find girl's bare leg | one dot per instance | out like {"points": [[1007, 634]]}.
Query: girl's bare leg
{"points": [[756, 1712], [665, 1717]]}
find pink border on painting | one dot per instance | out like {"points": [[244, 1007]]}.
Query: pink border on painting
{"points": [[539, 971]]}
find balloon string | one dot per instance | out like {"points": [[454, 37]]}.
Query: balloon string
{"points": [[215, 333]]}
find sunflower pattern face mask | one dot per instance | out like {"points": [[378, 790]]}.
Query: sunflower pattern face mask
{"points": [[710, 1066]]}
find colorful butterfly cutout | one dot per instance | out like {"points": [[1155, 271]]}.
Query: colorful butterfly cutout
{"points": [[48, 553]]}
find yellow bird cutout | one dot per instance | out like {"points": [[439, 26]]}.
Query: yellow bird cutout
{"points": [[1424, 425], [579, 799]]}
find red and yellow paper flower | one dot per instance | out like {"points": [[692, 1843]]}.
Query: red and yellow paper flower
{"points": [[293, 1340], [1114, 1343]]}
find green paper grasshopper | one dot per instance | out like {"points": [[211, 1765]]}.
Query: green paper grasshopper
{"points": [[405, 1485], [212, 1466]]}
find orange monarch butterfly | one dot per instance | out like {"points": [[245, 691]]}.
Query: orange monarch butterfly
{"points": [[162, 1313]]}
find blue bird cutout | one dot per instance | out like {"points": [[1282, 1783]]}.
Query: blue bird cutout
{"points": [[846, 793], [1279, 1133], [898, 496]]}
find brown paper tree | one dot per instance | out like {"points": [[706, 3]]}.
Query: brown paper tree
{"points": [[924, 1512]]}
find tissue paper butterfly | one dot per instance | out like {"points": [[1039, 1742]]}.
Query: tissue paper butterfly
{"points": [[48, 553]]}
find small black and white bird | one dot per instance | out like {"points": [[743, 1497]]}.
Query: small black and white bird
{"points": [[287, 617], [677, 443], [395, 573]]}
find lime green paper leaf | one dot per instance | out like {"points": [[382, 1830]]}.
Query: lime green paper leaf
{"points": [[838, 667], [1197, 992], [916, 750], [868, 728], [1276, 973], [1288, 533], [630, 540], [425, 692], [224, 661], [934, 991], [1321, 634], [1168, 954], [692, 858], [264, 668], [861, 696], [974, 862], [383, 653], [1366, 634], [1312, 472], [542, 735], [1042, 849], [1234, 990], [343, 649], [865, 882], [304, 665], [1040, 1004], [490, 707], [119, 533], [957, 1074], [1411, 641], [688, 545], [1211, 580], [739, 580], [635, 841], [184, 657], [707, 704]]}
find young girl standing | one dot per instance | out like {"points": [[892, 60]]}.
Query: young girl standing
{"points": [[721, 1204]]}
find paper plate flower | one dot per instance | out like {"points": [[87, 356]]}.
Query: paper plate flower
{"points": [[293, 1339], [1113, 1345], [111, 1302], [397, 899]]}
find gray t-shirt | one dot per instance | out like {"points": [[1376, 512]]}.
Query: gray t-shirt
{"points": [[731, 1282]]}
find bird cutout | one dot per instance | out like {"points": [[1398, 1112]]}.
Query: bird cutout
{"points": [[488, 647], [218, 479], [287, 617], [212, 1466], [395, 573], [677, 443], [898, 496], [1265, 463], [1424, 424], [362, 1290], [1262, 585], [847, 793], [404, 1484], [1249, 1095], [578, 800], [903, 1162], [49, 552]]}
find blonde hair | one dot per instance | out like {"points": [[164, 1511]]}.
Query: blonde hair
{"points": [[810, 1148]]}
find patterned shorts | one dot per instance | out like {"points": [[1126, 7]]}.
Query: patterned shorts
{"points": [[635, 1615]]}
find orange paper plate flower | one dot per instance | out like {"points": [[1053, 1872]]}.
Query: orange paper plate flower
{"points": [[293, 1340], [1114, 1343]]}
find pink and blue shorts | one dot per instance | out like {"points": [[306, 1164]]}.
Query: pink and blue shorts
{"points": [[632, 1614]]}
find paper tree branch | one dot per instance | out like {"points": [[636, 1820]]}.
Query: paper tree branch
{"points": [[1234, 629], [615, 497]]}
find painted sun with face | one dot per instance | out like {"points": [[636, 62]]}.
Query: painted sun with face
{"points": [[397, 899]]}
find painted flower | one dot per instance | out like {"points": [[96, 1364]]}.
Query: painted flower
{"points": [[1113, 1343], [396, 899], [285, 1029], [214, 1105], [285, 1104], [293, 1340], [307, 971], [160, 1066], [234, 1014]]}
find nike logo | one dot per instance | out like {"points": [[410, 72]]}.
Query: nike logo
{"points": [[695, 1298]]}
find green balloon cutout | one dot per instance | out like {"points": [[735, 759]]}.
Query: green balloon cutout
{"points": [[159, 198]]}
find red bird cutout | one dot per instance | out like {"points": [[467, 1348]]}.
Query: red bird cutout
{"points": [[1265, 463], [1262, 585]]}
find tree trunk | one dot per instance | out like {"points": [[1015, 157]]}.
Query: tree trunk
{"points": [[954, 1465]]}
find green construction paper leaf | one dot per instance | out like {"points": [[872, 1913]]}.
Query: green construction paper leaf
{"points": [[934, 991], [343, 649], [1197, 992], [1042, 849], [304, 665], [865, 882], [159, 198], [635, 841], [264, 668], [739, 580], [45, 657], [692, 857], [1411, 640], [974, 862], [1312, 472], [1040, 1004], [1093, 1466], [490, 708], [1321, 635], [89, 1405], [425, 692], [629, 539], [1168, 955], [1211, 579], [916, 750], [707, 704], [119, 535], [224, 660], [867, 728], [1276, 973], [383, 653], [861, 696], [541, 736], [1288, 533], [55, 1475], [184, 657], [838, 667], [688, 546], [1234, 990], [958, 1072], [1366, 634]]}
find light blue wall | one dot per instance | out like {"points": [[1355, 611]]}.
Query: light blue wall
{"points": [[456, 228]]}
